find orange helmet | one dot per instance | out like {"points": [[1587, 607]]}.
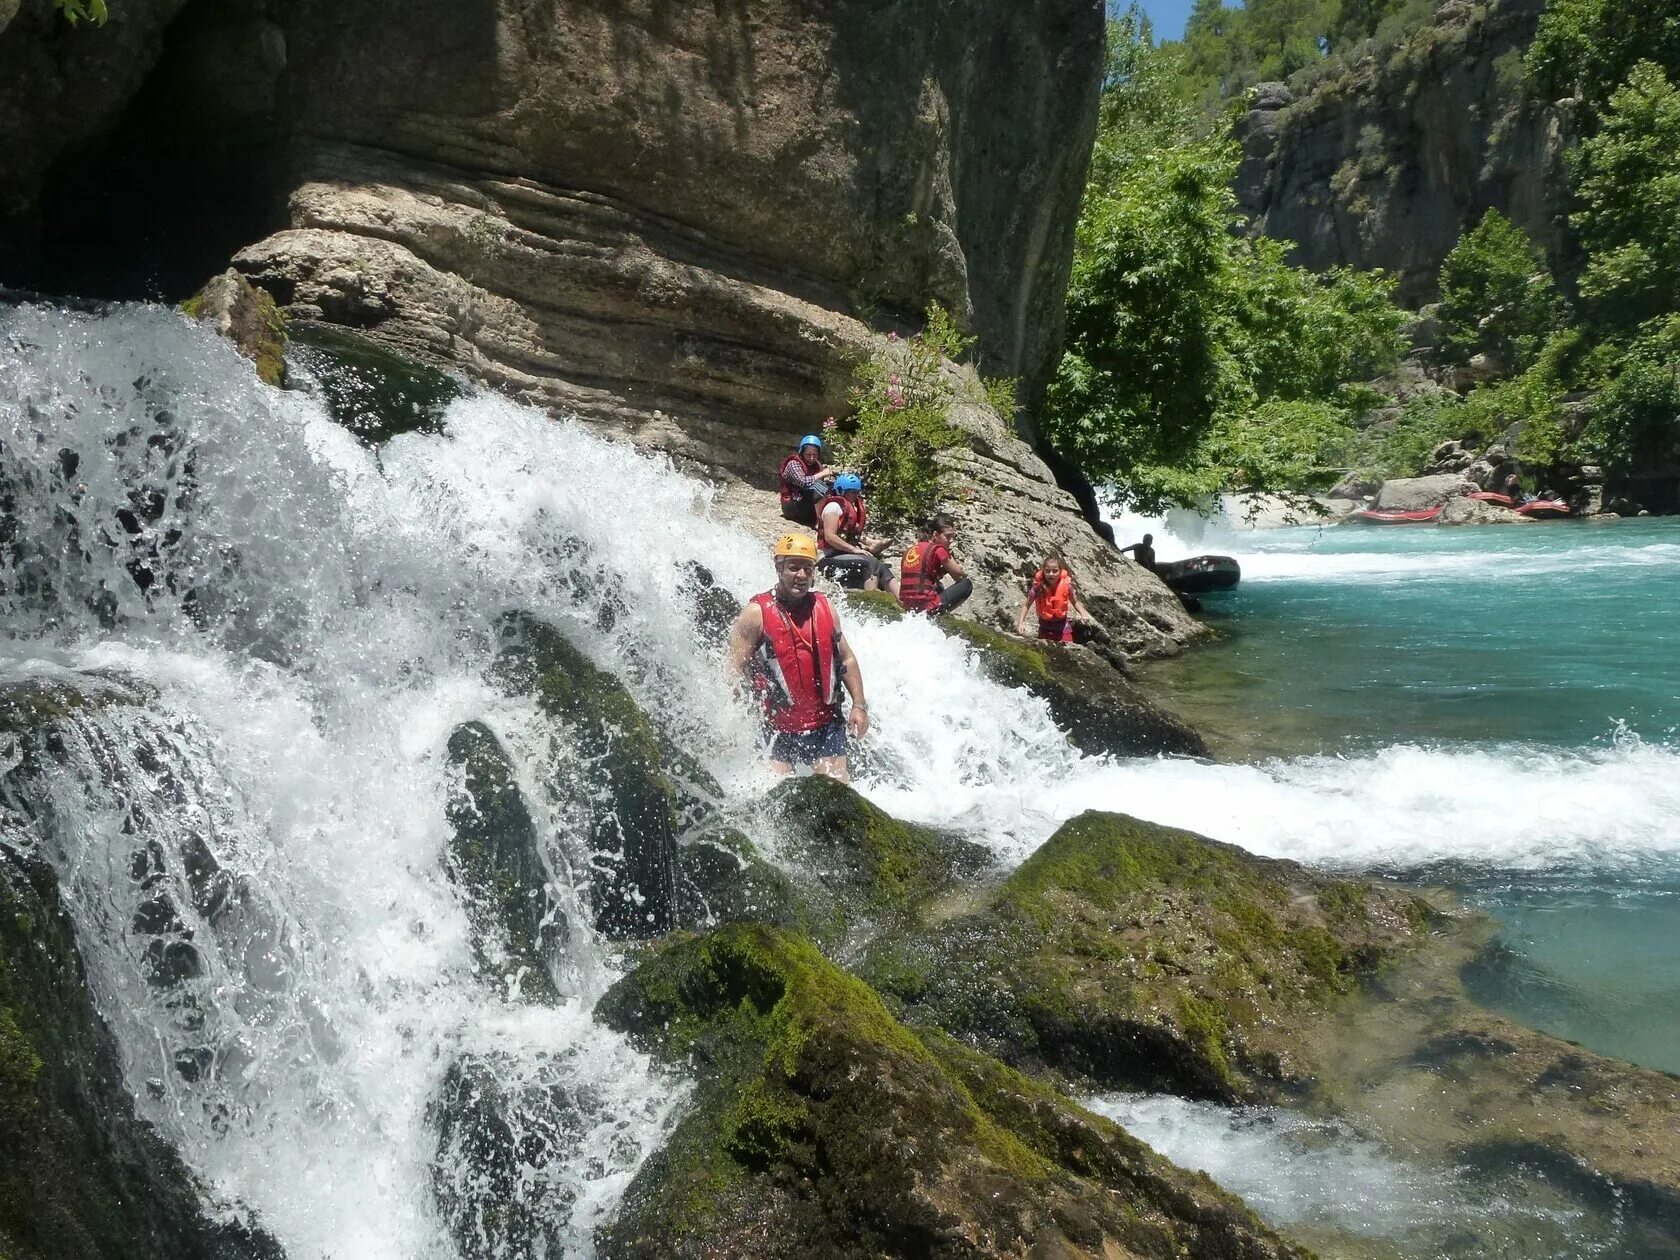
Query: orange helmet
{"points": [[801, 545]]}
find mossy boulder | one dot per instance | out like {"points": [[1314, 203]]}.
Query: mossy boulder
{"points": [[821, 1126], [722, 878], [495, 858], [875, 867], [81, 1176], [1140, 956], [244, 314], [608, 772], [1089, 698], [368, 388]]}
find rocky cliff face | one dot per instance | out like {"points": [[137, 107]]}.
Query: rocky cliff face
{"points": [[1385, 162]]}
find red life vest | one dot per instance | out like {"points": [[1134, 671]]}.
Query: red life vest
{"points": [[801, 667], [789, 493], [918, 586], [853, 518], [1053, 601]]}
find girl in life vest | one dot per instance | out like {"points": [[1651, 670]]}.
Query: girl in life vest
{"points": [[1053, 597]]}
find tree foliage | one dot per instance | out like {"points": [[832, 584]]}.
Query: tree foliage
{"points": [[1586, 48], [1497, 297], [1628, 184], [1184, 338], [76, 11]]}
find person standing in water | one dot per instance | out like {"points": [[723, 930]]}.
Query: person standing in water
{"points": [[1057, 601], [1143, 552], [788, 645], [925, 563]]}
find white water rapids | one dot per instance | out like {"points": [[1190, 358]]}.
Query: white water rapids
{"points": [[319, 617]]}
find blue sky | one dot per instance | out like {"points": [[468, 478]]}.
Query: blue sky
{"points": [[1166, 15]]}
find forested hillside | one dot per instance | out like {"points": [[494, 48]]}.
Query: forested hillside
{"points": [[1199, 359]]}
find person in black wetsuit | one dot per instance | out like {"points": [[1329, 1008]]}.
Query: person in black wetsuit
{"points": [[1143, 552]]}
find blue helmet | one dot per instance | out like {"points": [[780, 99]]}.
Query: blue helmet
{"points": [[847, 481], [810, 439]]}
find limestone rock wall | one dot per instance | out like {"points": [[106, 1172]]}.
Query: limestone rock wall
{"points": [[680, 217], [1384, 164]]}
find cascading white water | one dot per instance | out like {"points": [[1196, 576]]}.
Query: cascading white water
{"points": [[251, 834]]}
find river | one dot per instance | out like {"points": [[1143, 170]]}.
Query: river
{"points": [[1486, 709]]}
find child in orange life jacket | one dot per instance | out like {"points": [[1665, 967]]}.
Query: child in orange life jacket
{"points": [[787, 643], [1052, 593]]}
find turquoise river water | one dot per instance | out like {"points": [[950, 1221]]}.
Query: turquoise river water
{"points": [[1491, 708]]}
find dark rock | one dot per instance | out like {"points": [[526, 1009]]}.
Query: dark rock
{"points": [[496, 860], [1397, 148], [722, 878], [1143, 957], [715, 609], [611, 776], [246, 316], [1355, 487], [874, 866], [369, 389], [822, 1127], [81, 1176], [497, 1137]]}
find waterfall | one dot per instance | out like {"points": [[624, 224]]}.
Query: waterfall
{"points": [[268, 629]]}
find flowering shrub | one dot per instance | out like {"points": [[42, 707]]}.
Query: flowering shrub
{"points": [[901, 397]]}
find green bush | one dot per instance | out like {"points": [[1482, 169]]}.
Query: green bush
{"points": [[1497, 297], [1587, 47], [901, 399], [83, 10], [1637, 416]]}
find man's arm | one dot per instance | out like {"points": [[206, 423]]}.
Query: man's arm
{"points": [[743, 639], [831, 518], [851, 674]]}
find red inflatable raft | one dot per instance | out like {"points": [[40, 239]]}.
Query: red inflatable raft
{"points": [[1546, 509], [1374, 517], [1489, 496]]}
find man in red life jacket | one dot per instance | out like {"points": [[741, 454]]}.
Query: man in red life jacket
{"points": [[803, 480], [1052, 592], [787, 643], [925, 563], [846, 553]]}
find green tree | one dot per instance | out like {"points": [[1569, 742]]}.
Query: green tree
{"points": [[1497, 297], [1587, 47], [1627, 180]]}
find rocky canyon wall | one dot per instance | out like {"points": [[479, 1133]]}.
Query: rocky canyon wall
{"points": [[1385, 162]]}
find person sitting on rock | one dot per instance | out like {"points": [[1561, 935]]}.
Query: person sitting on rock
{"points": [[925, 563], [788, 645], [803, 481], [1058, 603], [847, 554], [1143, 552], [1514, 490]]}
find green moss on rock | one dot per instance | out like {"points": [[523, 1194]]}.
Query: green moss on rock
{"points": [[876, 866], [1142, 956], [81, 1177], [246, 316], [820, 1125], [722, 878]]}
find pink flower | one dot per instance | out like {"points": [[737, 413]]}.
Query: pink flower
{"points": [[895, 396], [894, 378], [829, 423], [892, 336]]}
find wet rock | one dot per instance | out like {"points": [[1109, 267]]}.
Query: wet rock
{"points": [[1088, 696], [370, 390], [722, 878], [498, 1136], [496, 860], [715, 609], [820, 1126], [246, 316], [611, 776], [1144, 957], [875, 867], [81, 1176]]}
